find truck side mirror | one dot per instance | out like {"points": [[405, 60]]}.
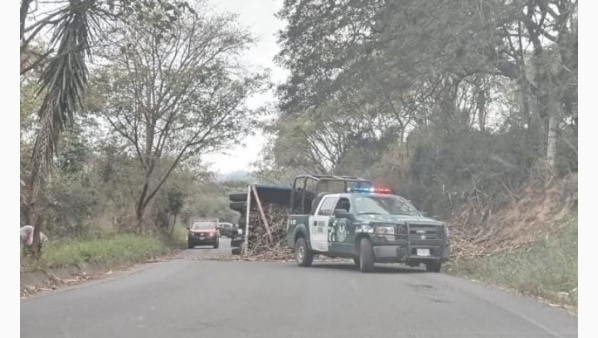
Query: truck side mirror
{"points": [[341, 213]]}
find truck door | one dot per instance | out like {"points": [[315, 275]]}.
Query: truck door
{"points": [[319, 223], [342, 230]]}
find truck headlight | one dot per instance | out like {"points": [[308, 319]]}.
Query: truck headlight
{"points": [[387, 232], [384, 230]]}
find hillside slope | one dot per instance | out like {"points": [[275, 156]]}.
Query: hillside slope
{"points": [[528, 244]]}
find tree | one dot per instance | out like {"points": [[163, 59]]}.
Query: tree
{"points": [[443, 97], [175, 205], [428, 52], [74, 26], [174, 97]]}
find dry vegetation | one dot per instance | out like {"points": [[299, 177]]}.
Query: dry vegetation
{"points": [[528, 245], [536, 212], [546, 268]]}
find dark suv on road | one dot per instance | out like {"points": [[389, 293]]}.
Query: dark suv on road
{"points": [[203, 232], [226, 229]]}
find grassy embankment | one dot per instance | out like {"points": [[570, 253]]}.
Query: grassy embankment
{"points": [[109, 250], [545, 269]]}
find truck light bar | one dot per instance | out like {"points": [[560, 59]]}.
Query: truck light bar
{"points": [[370, 190]]}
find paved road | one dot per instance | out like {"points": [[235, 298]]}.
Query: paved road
{"points": [[207, 251], [193, 298]]}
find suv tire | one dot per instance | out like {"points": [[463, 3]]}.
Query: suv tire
{"points": [[366, 256], [303, 256]]}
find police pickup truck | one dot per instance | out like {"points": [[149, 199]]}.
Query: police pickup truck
{"points": [[369, 225]]}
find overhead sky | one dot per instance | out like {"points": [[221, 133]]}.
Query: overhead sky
{"points": [[258, 15]]}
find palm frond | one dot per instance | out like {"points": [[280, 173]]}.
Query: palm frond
{"points": [[64, 79]]}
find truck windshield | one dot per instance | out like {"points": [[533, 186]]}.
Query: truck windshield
{"points": [[384, 205], [203, 225]]}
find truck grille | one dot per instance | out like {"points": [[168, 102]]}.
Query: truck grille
{"points": [[422, 232]]}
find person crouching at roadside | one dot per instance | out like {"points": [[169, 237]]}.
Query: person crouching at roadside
{"points": [[27, 239]]}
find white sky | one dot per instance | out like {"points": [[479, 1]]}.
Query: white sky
{"points": [[258, 15]]}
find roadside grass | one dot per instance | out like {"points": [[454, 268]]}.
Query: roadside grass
{"points": [[546, 269], [179, 237], [112, 250]]}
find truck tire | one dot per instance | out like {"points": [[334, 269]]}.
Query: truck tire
{"points": [[240, 197], [238, 206], [366, 255], [303, 256], [356, 261], [236, 251], [190, 246], [216, 245], [433, 266]]}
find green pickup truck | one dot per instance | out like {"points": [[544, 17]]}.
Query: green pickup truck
{"points": [[367, 224]]}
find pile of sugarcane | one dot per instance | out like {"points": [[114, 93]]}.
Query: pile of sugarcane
{"points": [[267, 232], [267, 223]]}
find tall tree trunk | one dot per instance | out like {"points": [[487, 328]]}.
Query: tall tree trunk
{"points": [[37, 174], [552, 140], [142, 203]]}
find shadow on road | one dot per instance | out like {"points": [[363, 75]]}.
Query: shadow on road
{"points": [[378, 269]]}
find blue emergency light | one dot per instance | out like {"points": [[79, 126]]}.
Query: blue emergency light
{"points": [[371, 190]]}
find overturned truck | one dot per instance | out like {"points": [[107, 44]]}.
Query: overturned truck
{"points": [[264, 211]]}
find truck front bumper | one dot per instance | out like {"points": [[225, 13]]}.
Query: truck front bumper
{"points": [[408, 252], [199, 242]]}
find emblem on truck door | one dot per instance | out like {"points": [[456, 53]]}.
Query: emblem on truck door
{"points": [[341, 232]]}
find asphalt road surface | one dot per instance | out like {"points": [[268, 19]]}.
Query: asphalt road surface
{"points": [[194, 298]]}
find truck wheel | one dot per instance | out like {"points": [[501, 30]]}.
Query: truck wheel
{"points": [[302, 254], [240, 197], [433, 266], [238, 206], [356, 261], [366, 256], [216, 245], [190, 246]]}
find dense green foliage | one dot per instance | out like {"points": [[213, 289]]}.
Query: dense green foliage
{"points": [[435, 99], [126, 133]]}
